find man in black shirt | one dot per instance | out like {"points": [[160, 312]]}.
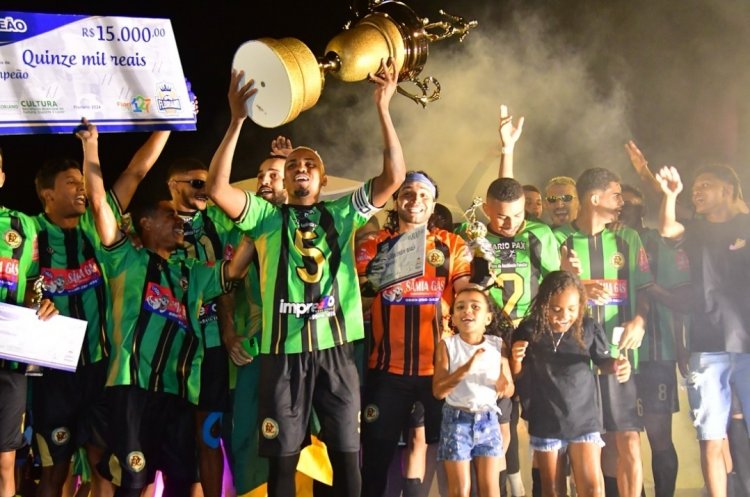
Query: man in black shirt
{"points": [[716, 245]]}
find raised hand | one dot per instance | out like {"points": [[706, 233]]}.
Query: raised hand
{"points": [[281, 145], [87, 131], [509, 134], [669, 181], [239, 93], [637, 159], [387, 80]]}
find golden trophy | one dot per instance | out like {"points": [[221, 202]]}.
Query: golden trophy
{"points": [[290, 79], [481, 248], [36, 301]]}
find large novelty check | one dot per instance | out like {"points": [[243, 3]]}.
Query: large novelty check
{"points": [[55, 343], [122, 73]]}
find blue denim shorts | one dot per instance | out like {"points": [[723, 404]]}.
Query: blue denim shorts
{"points": [[552, 444], [465, 435], [713, 376]]}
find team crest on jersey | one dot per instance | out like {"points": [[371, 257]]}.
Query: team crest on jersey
{"points": [[60, 436], [13, 238], [738, 244], [269, 428], [371, 413], [435, 257], [136, 461], [618, 260]]}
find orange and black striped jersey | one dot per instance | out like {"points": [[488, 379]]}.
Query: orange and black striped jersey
{"points": [[407, 317]]}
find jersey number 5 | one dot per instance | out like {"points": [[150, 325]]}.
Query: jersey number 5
{"points": [[312, 269]]}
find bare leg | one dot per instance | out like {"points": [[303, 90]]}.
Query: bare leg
{"points": [[210, 459], [547, 464], [7, 473], [714, 467], [629, 465], [585, 460], [417, 451], [458, 474], [100, 486], [488, 475]]}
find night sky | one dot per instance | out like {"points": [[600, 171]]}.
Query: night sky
{"points": [[676, 72]]}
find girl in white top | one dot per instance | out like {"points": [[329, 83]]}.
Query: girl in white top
{"points": [[471, 372]]}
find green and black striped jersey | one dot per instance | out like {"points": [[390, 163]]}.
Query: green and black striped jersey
{"points": [[154, 330], [210, 236], [74, 279], [670, 268], [308, 277], [520, 264], [616, 260], [17, 254]]}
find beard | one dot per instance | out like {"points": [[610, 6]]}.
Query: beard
{"points": [[302, 192]]}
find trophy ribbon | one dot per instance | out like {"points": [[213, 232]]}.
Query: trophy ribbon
{"points": [[36, 301]]}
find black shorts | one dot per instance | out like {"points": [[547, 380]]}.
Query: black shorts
{"points": [[416, 416], [506, 406], [388, 403], [657, 387], [148, 431], [69, 411], [12, 409], [214, 393], [292, 384], [619, 404]]}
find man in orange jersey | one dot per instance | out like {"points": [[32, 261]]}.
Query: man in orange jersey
{"points": [[407, 322]]}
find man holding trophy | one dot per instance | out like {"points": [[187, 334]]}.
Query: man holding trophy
{"points": [[311, 308]]}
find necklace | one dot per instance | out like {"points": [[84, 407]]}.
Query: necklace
{"points": [[557, 343]]}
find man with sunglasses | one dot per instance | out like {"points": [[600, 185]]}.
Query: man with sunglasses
{"points": [[561, 201], [209, 236], [312, 310]]}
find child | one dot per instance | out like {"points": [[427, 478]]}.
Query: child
{"points": [[551, 355], [470, 374]]}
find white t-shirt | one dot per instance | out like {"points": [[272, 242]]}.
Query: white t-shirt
{"points": [[476, 392]]}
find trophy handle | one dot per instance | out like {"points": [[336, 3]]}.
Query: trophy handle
{"points": [[424, 88], [449, 27]]}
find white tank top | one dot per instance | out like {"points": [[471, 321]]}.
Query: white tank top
{"points": [[476, 392]]}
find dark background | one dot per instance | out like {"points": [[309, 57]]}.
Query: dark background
{"points": [[676, 71]]}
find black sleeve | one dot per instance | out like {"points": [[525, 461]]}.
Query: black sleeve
{"points": [[599, 349], [521, 333]]}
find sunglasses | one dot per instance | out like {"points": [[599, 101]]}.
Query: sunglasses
{"points": [[195, 183], [565, 198]]}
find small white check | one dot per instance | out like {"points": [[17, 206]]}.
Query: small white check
{"points": [[55, 343]]}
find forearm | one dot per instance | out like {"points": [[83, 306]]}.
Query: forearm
{"points": [[230, 199], [141, 163], [225, 311], [443, 385], [106, 223], [669, 227], [394, 164], [506, 162]]}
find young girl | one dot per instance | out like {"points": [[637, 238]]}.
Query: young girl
{"points": [[470, 374], [551, 355]]}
